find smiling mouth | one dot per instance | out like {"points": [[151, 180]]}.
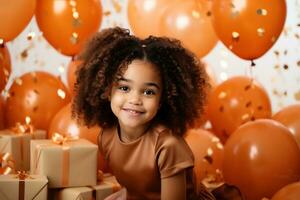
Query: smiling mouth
{"points": [[134, 112]]}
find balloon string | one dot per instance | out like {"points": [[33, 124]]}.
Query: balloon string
{"points": [[250, 69]]}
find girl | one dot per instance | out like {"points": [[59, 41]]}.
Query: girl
{"points": [[144, 94]]}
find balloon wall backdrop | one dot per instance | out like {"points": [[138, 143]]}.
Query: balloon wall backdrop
{"points": [[249, 134]]}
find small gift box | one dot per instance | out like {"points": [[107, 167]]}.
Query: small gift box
{"points": [[66, 164], [17, 142], [23, 187], [106, 187]]}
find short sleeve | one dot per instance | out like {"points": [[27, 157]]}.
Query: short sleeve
{"points": [[173, 155]]}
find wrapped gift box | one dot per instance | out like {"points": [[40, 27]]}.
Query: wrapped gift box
{"points": [[106, 187], [18, 145], [32, 187], [73, 163]]}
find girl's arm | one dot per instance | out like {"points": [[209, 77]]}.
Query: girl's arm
{"points": [[174, 187]]}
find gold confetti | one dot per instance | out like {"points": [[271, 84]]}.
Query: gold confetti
{"points": [[76, 22], [273, 39], [61, 93], [117, 6], [75, 15], [245, 116], [27, 120], [222, 95], [74, 38], [19, 81], [61, 69], [30, 35], [72, 3], [297, 36], [285, 52], [24, 54], [277, 66], [208, 159], [247, 87], [196, 14], [208, 13], [262, 12], [285, 66], [221, 109], [210, 151], [6, 72], [297, 95], [5, 93], [1, 41], [276, 53], [220, 145], [106, 13], [215, 139], [298, 63], [230, 47], [260, 32], [248, 104], [235, 35]]}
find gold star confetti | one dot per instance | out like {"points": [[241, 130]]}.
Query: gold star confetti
{"points": [[260, 32], [61, 93], [74, 38], [262, 12], [235, 36]]}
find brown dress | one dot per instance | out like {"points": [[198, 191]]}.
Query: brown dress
{"points": [[140, 165]]}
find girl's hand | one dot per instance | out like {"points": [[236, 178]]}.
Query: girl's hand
{"points": [[120, 195]]}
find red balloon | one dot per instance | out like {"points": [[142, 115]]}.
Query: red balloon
{"points": [[15, 15], [188, 21], [5, 66], [71, 74], [208, 153], [37, 95], [261, 157], [67, 25], [64, 124], [288, 192], [249, 28], [235, 102], [289, 116]]}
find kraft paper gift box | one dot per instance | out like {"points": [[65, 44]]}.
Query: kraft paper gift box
{"points": [[106, 187], [73, 163], [18, 145], [14, 186]]}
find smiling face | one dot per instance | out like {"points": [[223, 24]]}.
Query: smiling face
{"points": [[136, 94]]}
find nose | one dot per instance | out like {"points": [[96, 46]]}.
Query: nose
{"points": [[135, 98]]}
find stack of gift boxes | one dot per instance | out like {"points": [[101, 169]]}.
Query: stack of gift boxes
{"points": [[63, 168]]}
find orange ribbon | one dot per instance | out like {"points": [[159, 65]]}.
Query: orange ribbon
{"points": [[22, 128], [22, 175], [7, 164]]}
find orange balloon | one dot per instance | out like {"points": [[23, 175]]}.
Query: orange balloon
{"points": [[5, 66], [15, 15], [188, 21], [144, 16], [64, 124], [208, 153], [2, 108], [261, 157], [249, 28], [71, 74], [38, 95], [235, 102], [288, 192], [289, 116], [67, 25]]}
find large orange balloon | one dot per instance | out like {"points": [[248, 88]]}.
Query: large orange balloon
{"points": [[5, 66], [38, 95], [144, 16], [15, 15], [189, 22], [288, 192], [235, 102], [290, 117], [71, 74], [249, 28], [261, 157], [208, 153], [67, 25], [64, 124]]}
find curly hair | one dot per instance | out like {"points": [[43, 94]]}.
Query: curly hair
{"points": [[111, 50]]}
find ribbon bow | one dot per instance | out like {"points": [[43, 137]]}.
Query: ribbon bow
{"points": [[7, 164], [22, 128], [61, 140], [22, 175]]}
